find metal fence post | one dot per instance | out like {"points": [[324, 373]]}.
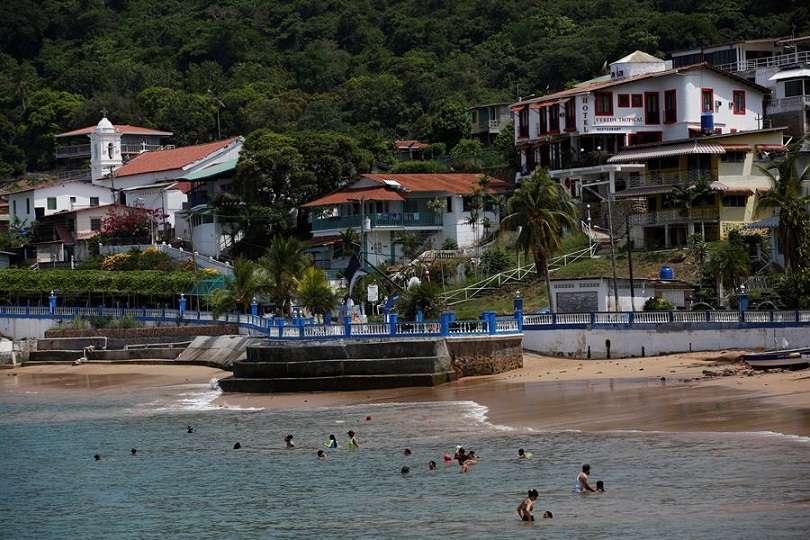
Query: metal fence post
{"points": [[392, 323], [444, 321], [347, 325]]}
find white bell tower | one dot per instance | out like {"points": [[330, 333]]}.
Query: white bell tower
{"points": [[105, 149]]}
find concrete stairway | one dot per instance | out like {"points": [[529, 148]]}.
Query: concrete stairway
{"points": [[319, 366]]}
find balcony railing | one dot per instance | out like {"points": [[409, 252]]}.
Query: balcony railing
{"points": [[677, 178], [676, 215], [135, 148], [73, 174], [73, 150], [798, 57], [788, 104], [393, 220]]}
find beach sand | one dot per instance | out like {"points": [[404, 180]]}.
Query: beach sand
{"points": [[667, 393]]}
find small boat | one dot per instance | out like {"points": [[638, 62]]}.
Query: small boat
{"points": [[785, 358]]}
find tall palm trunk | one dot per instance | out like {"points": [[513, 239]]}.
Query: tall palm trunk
{"points": [[541, 262]]}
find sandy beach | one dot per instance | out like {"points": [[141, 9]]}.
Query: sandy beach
{"points": [[668, 393]]}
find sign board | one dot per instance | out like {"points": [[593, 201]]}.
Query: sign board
{"points": [[373, 293]]}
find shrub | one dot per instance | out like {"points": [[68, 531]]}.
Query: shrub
{"points": [[425, 295], [152, 259], [658, 304], [793, 288], [449, 244], [120, 261], [495, 260]]}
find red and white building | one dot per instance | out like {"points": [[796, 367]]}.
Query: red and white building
{"points": [[642, 101]]}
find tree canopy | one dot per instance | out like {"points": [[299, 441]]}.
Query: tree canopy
{"points": [[367, 70]]}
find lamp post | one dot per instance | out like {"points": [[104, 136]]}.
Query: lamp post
{"points": [[609, 200]]}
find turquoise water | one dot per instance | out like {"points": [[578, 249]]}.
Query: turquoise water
{"points": [[196, 486]]}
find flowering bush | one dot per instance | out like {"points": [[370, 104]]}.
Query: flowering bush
{"points": [[119, 261]]}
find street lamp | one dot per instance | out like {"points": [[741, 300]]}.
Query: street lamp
{"points": [[609, 200]]}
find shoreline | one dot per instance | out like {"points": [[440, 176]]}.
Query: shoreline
{"points": [[665, 393]]}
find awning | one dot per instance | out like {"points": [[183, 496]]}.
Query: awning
{"points": [[319, 241], [209, 173], [767, 223], [518, 108], [354, 195], [667, 151], [720, 186], [772, 147], [736, 147], [643, 191], [790, 74]]}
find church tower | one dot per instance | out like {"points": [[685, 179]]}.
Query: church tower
{"points": [[105, 149]]}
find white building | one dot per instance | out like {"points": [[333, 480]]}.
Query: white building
{"points": [[30, 200], [642, 101], [401, 203], [593, 294]]}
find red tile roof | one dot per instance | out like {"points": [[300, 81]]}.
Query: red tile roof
{"points": [[597, 85], [406, 144], [167, 160], [346, 195], [460, 183], [124, 129]]}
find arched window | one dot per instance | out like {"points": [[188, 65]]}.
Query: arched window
{"points": [[110, 150]]}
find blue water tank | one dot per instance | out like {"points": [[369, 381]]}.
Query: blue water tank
{"points": [[707, 122], [666, 272]]}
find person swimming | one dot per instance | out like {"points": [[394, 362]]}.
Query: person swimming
{"points": [[321, 454], [134, 451], [469, 461], [189, 429], [331, 443], [405, 470], [97, 457], [431, 465], [600, 486], [288, 440], [368, 418], [524, 509], [548, 515], [522, 454], [237, 446], [407, 452], [460, 456], [447, 458], [352, 440], [582, 484]]}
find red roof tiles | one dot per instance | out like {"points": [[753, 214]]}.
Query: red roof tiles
{"points": [[460, 183], [346, 195], [167, 160]]}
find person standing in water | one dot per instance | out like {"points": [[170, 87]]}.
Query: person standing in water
{"points": [[353, 440], [524, 509], [431, 465], [331, 443], [288, 439], [469, 461], [582, 484]]}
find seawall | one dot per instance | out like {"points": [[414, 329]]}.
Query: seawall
{"points": [[661, 339]]}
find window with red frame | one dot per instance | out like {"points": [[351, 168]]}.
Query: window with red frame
{"points": [[707, 100], [670, 107], [554, 119], [624, 100], [739, 101], [652, 108], [543, 121], [637, 100], [570, 115], [604, 103]]}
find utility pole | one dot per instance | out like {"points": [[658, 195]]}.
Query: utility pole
{"points": [[630, 262], [612, 253]]}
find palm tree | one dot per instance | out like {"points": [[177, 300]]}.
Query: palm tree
{"points": [[540, 209], [410, 243], [240, 289], [686, 196], [727, 264], [283, 262], [314, 293], [786, 197]]}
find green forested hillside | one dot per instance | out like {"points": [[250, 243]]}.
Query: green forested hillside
{"points": [[371, 69]]}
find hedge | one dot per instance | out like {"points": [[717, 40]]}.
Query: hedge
{"points": [[26, 282]]}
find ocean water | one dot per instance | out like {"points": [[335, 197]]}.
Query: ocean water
{"points": [[195, 486]]}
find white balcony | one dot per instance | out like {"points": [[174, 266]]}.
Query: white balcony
{"points": [[788, 104], [798, 57]]}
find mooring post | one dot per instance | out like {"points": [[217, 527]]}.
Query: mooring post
{"points": [[518, 303], [182, 304], [392, 323], [254, 307], [347, 325], [52, 303]]}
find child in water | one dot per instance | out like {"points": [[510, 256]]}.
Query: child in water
{"points": [[288, 439], [331, 443], [321, 454], [524, 509], [353, 440], [522, 454]]}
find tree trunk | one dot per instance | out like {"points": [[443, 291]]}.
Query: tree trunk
{"points": [[541, 262]]}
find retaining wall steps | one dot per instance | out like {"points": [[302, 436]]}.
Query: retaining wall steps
{"points": [[334, 383], [337, 368]]}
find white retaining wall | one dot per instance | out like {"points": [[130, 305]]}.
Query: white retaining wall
{"points": [[629, 342], [18, 328]]}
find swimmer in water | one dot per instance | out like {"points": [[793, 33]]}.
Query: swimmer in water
{"points": [[524, 509], [321, 454], [447, 458], [431, 465], [368, 419], [407, 451], [134, 451], [97, 457], [460, 456], [471, 460], [288, 440], [189, 429], [582, 484], [331, 443], [353, 440], [405, 470], [548, 515], [237, 446], [600, 486], [522, 454]]}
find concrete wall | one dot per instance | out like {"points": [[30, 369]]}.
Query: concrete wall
{"points": [[663, 340], [25, 328], [471, 356]]}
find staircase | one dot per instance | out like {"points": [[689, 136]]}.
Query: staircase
{"points": [[520, 273], [366, 365]]}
